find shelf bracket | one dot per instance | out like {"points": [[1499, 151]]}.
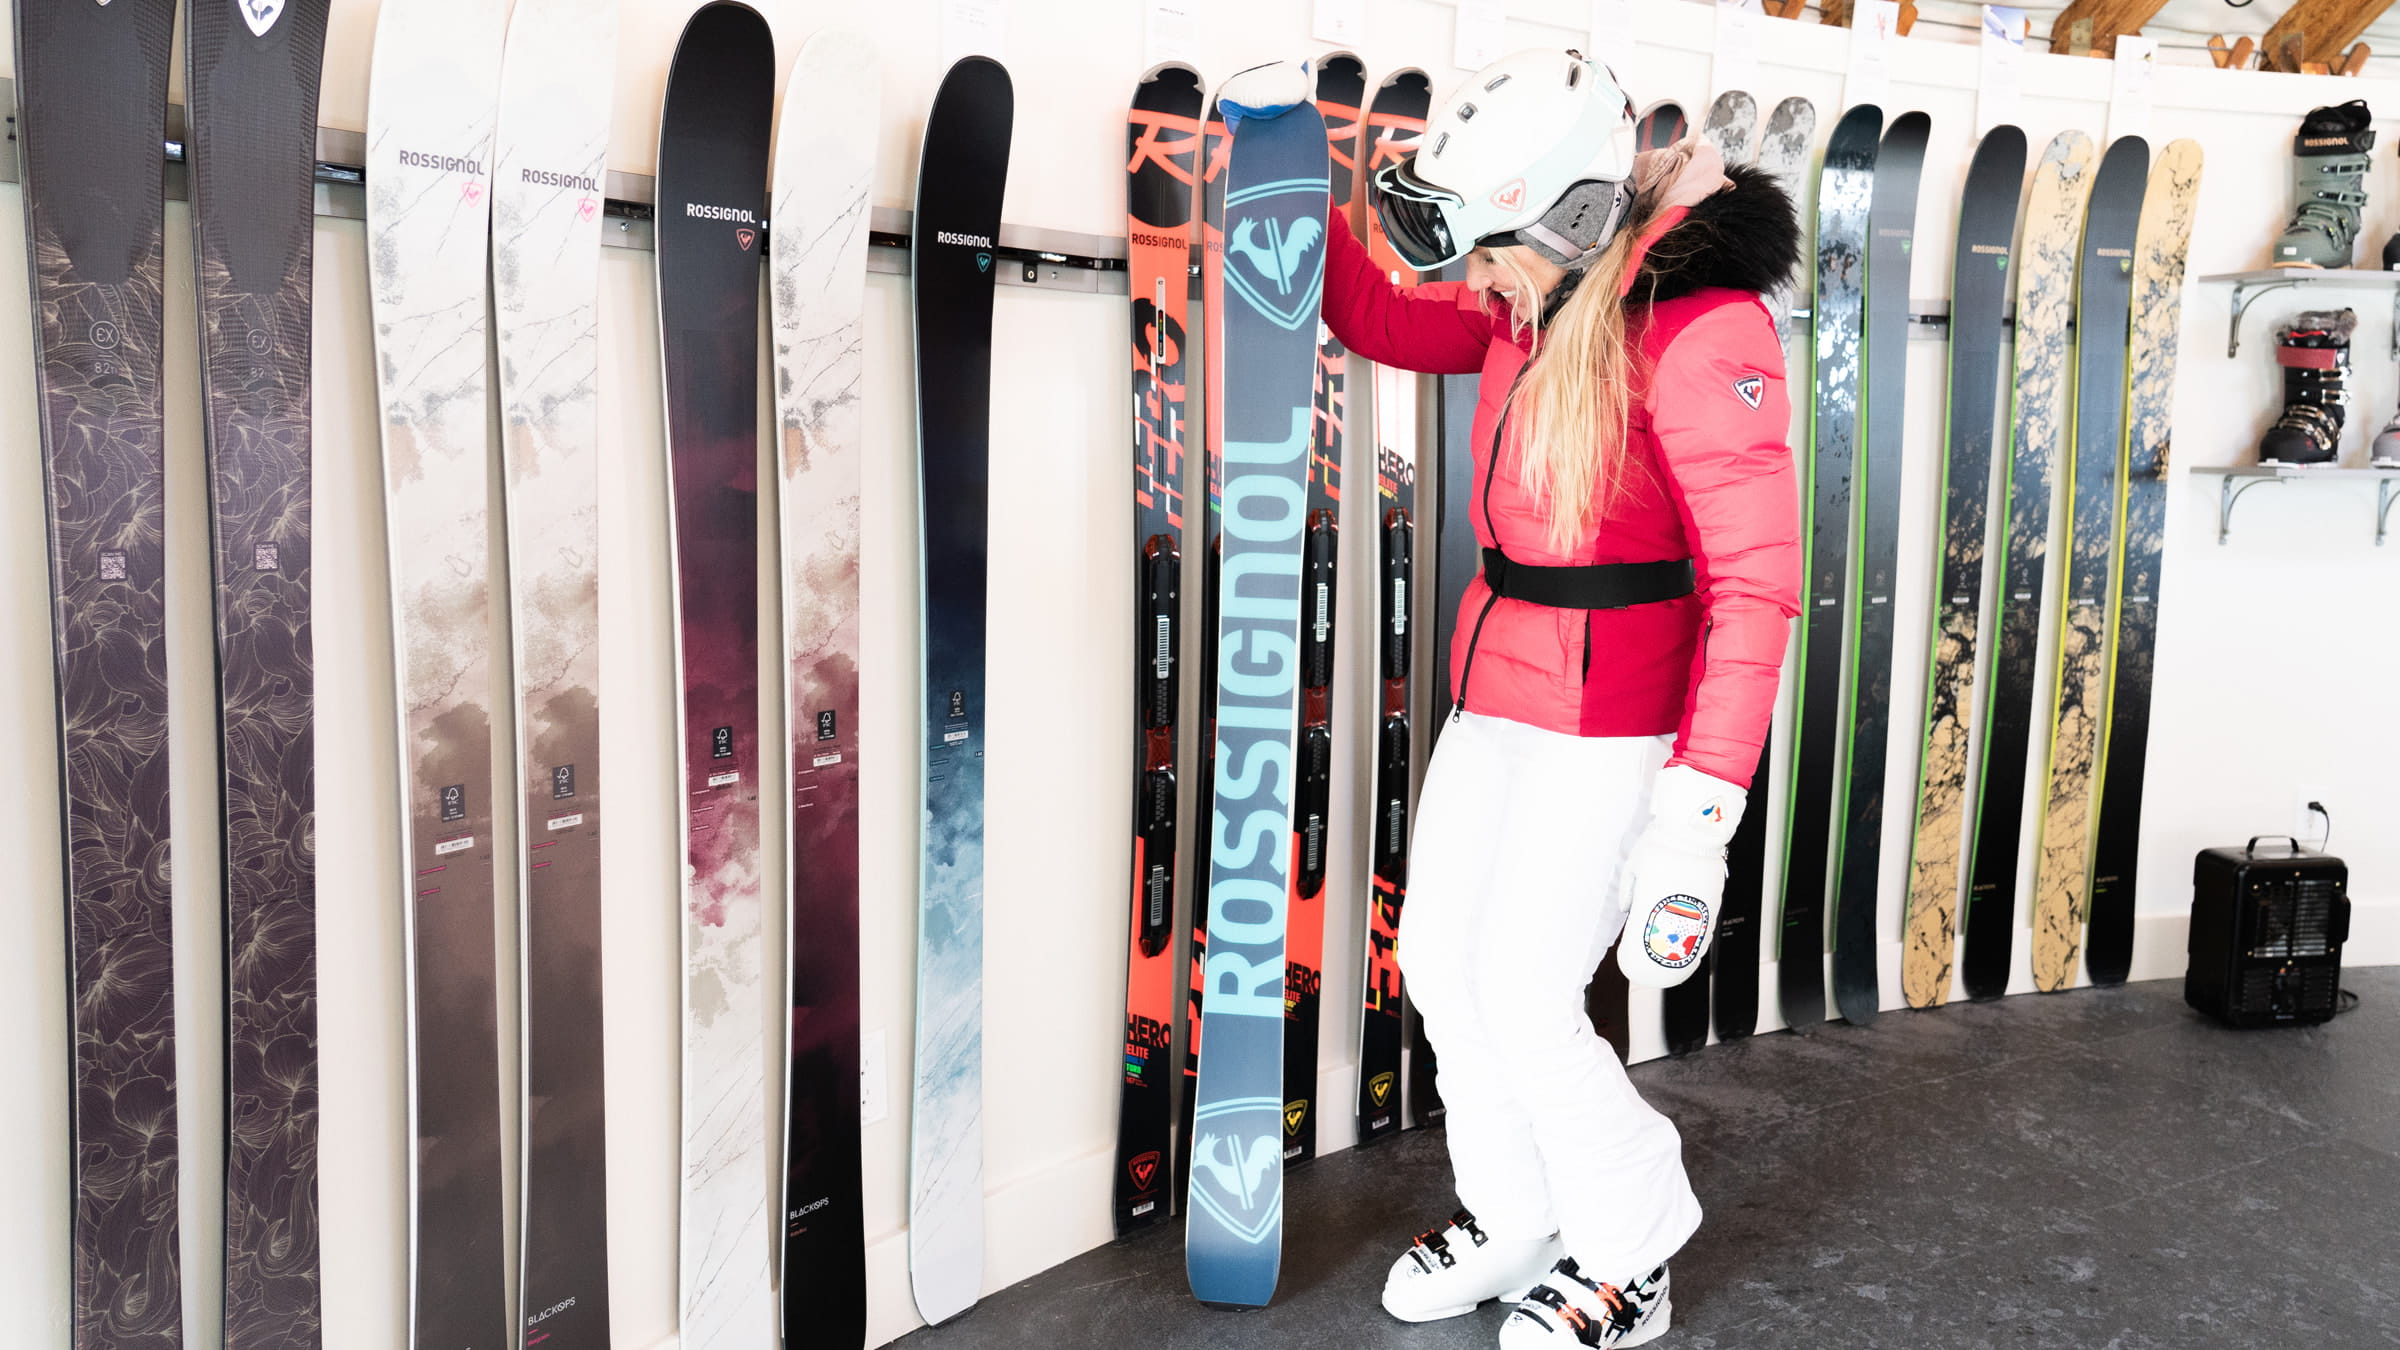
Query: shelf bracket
{"points": [[2244, 292], [2386, 492], [2228, 493]]}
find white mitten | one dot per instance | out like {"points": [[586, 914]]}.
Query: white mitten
{"points": [[1675, 876], [1265, 91]]}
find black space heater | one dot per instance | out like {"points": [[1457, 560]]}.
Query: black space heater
{"points": [[2267, 933]]}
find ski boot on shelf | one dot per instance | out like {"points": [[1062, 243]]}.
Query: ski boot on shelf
{"points": [[2314, 351], [2329, 171], [2385, 453], [1568, 1309]]}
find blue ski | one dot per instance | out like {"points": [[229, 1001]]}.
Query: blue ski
{"points": [[1274, 277]]}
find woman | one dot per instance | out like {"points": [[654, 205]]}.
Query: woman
{"points": [[1616, 662]]}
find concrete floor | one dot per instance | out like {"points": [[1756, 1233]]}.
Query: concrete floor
{"points": [[2097, 1169]]}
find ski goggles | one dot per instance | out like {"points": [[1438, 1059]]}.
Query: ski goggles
{"points": [[1416, 216]]}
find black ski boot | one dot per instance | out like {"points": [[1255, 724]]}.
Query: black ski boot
{"points": [[2314, 351], [2329, 173]]}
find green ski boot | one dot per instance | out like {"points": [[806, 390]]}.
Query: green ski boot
{"points": [[2329, 170]]}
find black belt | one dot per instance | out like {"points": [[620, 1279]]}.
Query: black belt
{"points": [[1593, 586]]}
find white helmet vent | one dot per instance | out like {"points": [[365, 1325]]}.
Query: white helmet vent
{"points": [[1496, 83], [1466, 112], [1438, 144]]}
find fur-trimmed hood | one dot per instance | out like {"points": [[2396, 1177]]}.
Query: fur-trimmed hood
{"points": [[1746, 237]]}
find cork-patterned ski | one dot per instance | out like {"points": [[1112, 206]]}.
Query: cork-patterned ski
{"points": [[1979, 277]]}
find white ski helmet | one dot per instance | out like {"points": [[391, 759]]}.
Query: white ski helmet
{"points": [[1535, 149]]}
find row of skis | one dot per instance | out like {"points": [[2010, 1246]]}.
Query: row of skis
{"points": [[2091, 256], [485, 202], [484, 179]]}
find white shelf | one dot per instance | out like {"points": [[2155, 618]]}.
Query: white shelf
{"points": [[2240, 478], [2248, 286]]}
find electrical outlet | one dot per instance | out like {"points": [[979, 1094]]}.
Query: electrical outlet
{"points": [[2308, 826], [872, 1098]]}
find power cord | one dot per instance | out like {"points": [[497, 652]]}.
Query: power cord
{"points": [[2319, 809]]}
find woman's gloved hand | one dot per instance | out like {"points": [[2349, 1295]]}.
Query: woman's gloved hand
{"points": [[1265, 91], [1675, 876]]}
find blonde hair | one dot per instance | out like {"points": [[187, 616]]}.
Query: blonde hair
{"points": [[1572, 401]]}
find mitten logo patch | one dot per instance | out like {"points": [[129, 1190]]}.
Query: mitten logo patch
{"points": [[1713, 812], [1676, 927], [1750, 389]]}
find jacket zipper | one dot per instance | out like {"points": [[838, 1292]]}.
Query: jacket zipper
{"points": [[1491, 470]]}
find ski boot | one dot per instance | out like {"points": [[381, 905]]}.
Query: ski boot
{"points": [[1448, 1271], [2329, 170], [2385, 453], [1567, 1310], [2314, 351]]}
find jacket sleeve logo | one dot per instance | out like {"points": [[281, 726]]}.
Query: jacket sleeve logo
{"points": [[1750, 389]]}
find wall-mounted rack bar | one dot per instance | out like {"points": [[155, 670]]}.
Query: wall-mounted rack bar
{"points": [[1027, 255]]}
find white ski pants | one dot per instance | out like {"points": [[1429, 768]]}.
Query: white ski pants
{"points": [[1512, 901]]}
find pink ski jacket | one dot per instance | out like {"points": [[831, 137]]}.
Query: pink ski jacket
{"points": [[1708, 476]]}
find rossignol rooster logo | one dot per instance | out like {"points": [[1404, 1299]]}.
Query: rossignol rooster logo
{"points": [[1750, 389], [259, 14], [1279, 256], [1143, 1170], [1239, 1182], [1273, 260], [1510, 196], [745, 237]]}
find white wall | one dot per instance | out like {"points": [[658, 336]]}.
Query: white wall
{"points": [[2277, 654]]}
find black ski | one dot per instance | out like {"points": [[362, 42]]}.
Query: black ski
{"points": [[2158, 257], [251, 162], [1843, 192], [91, 100], [1875, 494]]}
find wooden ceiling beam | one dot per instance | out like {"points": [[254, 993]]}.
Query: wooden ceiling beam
{"points": [[2317, 33], [2110, 20]]}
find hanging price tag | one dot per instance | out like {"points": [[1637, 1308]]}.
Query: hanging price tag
{"points": [[974, 28], [1736, 64], [1873, 23], [1481, 35], [1340, 22], [2129, 97], [1997, 93], [1168, 35]]}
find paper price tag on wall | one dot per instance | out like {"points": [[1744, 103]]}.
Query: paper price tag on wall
{"points": [[1736, 63], [1340, 22], [974, 28], [1612, 35], [1168, 34], [1481, 35], [1873, 24], [2130, 78], [1998, 93]]}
